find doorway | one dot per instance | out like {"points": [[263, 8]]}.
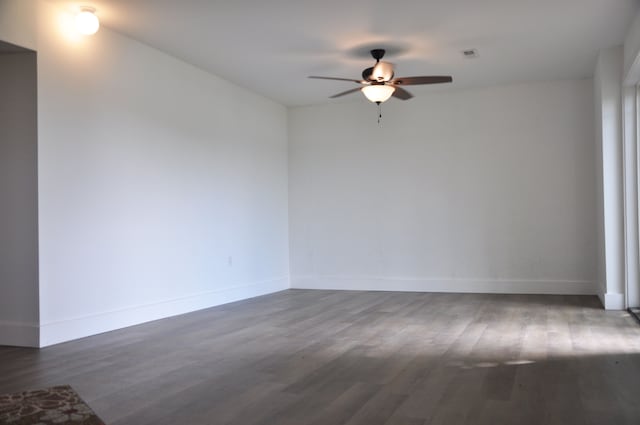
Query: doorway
{"points": [[19, 305]]}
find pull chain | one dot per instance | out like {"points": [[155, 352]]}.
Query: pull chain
{"points": [[379, 112]]}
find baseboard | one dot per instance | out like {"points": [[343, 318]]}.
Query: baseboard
{"points": [[19, 334], [80, 327], [506, 286], [612, 301]]}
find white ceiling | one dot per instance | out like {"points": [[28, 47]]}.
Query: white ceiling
{"points": [[271, 46]]}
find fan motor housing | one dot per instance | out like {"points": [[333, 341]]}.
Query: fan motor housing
{"points": [[378, 54], [366, 74]]}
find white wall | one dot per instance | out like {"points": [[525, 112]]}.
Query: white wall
{"points": [[601, 266], [631, 52], [631, 78], [608, 119], [630, 187], [18, 21], [487, 190], [163, 189], [18, 200]]}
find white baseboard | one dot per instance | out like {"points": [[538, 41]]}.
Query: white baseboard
{"points": [[506, 286], [79, 327], [612, 301], [19, 334]]}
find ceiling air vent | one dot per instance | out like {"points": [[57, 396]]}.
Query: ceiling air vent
{"points": [[470, 53]]}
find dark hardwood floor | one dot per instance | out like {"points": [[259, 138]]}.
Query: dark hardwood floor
{"points": [[329, 358]]}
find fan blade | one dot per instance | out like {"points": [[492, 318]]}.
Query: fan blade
{"points": [[336, 78], [434, 79], [345, 92], [366, 74], [402, 94]]}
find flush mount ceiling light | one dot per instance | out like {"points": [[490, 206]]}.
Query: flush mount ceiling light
{"points": [[87, 22], [378, 83]]}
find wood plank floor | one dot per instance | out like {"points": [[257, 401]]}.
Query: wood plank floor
{"points": [[329, 358]]}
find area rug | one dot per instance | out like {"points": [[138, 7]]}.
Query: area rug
{"points": [[51, 406]]}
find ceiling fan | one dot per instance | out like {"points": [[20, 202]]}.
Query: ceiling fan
{"points": [[378, 83]]}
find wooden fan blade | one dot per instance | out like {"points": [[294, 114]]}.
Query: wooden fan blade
{"points": [[336, 78], [345, 92], [433, 79], [402, 94]]}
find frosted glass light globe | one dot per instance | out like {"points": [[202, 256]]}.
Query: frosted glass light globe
{"points": [[378, 93], [87, 22]]}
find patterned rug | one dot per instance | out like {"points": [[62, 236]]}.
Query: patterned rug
{"points": [[57, 405]]}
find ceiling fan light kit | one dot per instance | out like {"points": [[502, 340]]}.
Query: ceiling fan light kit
{"points": [[378, 93], [378, 83]]}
